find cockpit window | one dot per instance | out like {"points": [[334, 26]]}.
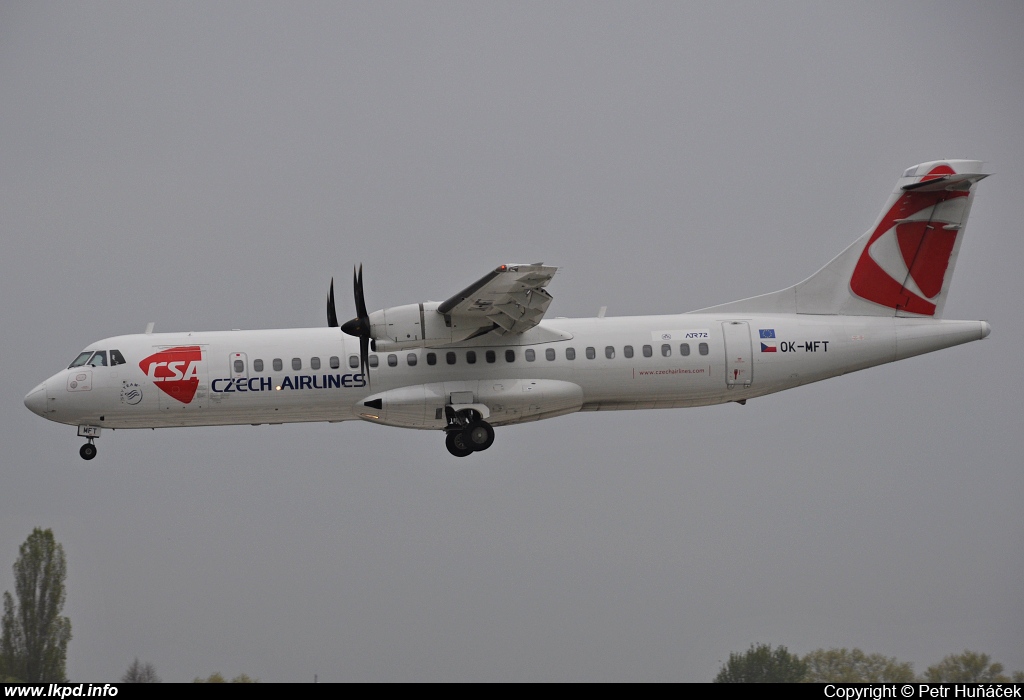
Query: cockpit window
{"points": [[116, 358], [82, 358], [99, 359]]}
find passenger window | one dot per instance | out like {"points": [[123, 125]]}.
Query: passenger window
{"points": [[296, 363], [81, 359], [314, 362], [666, 350], [470, 357], [257, 365], [431, 359], [703, 348], [530, 355], [684, 349], [510, 356], [628, 351], [591, 353], [449, 357], [392, 360], [239, 367], [648, 351], [372, 361], [116, 358], [411, 359], [278, 365], [549, 353], [570, 353], [490, 356], [353, 361], [99, 359], [336, 362], [609, 352]]}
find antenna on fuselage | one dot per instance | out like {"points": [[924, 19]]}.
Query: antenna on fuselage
{"points": [[149, 327]]}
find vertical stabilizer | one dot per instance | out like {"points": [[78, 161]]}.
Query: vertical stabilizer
{"points": [[903, 265]]}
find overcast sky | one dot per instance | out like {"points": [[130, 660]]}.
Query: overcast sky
{"points": [[213, 165]]}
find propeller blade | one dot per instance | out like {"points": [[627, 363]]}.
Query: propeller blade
{"points": [[360, 299], [332, 313], [364, 358], [360, 325]]}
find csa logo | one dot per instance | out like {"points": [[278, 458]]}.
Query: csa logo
{"points": [[175, 371]]}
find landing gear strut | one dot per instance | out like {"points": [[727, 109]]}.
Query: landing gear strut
{"points": [[88, 450], [467, 432]]}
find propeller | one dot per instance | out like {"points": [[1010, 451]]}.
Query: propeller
{"points": [[359, 327], [332, 313]]}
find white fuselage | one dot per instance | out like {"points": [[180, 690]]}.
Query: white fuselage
{"points": [[281, 376]]}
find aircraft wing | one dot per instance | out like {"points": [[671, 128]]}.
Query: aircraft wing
{"points": [[509, 299]]}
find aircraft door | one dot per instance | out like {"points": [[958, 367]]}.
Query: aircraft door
{"points": [[239, 365], [739, 358]]}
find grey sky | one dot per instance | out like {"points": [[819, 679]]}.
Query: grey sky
{"points": [[210, 166]]}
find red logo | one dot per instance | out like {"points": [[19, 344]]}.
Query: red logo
{"points": [[175, 371], [925, 246]]}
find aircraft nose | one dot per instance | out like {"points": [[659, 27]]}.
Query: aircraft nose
{"points": [[35, 400]]}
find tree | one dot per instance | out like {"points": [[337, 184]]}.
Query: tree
{"points": [[34, 637], [217, 678], [140, 673], [854, 666], [761, 664], [969, 667]]}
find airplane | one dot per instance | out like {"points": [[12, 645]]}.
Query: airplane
{"points": [[486, 357]]}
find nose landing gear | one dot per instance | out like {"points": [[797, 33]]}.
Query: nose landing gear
{"points": [[88, 450], [467, 433], [90, 433]]}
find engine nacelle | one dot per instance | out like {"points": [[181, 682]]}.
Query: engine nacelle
{"points": [[412, 326]]}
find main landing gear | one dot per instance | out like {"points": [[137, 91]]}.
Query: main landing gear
{"points": [[467, 433]]}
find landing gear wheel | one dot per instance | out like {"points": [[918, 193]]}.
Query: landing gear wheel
{"points": [[478, 435], [457, 445], [88, 451]]}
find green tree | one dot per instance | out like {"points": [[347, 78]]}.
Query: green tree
{"points": [[969, 667], [854, 666], [762, 664], [139, 672], [34, 637]]}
